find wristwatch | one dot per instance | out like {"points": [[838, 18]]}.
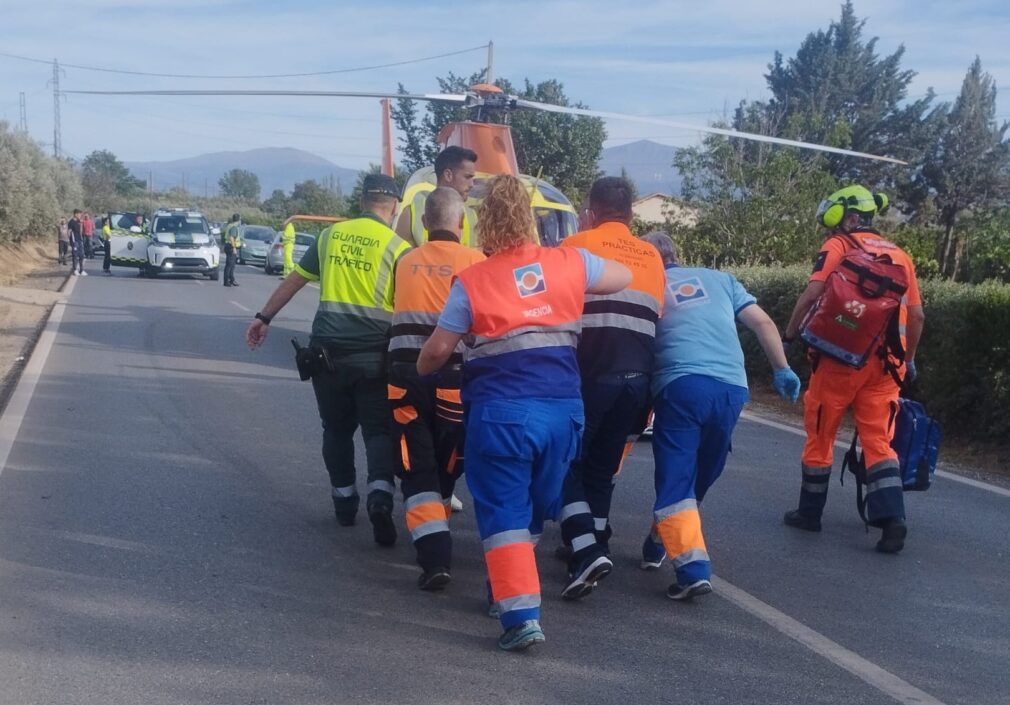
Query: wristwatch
{"points": [[260, 317]]}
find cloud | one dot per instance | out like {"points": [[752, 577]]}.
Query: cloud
{"points": [[670, 57]]}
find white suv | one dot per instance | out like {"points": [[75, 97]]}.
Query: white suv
{"points": [[182, 242]]}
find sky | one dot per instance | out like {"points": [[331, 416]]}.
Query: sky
{"points": [[682, 59]]}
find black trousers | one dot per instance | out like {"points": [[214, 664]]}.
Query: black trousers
{"points": [[428, 455], [64, 251], [348, 397], [230, 260], [616, 410], [107, 262]]}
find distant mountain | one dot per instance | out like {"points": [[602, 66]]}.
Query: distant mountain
{"points": [[648, 164], [276, 167]]}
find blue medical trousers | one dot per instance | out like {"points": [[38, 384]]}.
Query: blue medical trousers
{"points": [[695, 417], [517, 453]]}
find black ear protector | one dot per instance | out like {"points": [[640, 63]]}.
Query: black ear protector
{"points": [[881, 201]]}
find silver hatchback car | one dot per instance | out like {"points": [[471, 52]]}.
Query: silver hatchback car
{"points": [[275, 254]]}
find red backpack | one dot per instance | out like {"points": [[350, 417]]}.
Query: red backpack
{"points": [[857, 314]]}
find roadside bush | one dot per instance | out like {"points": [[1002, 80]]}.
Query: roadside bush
{"points": [[36, 190], [963, 359]]}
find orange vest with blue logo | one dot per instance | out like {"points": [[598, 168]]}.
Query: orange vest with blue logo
{"points": [[619, 330], [527, 308]]}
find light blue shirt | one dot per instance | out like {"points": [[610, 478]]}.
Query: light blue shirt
{"points": [[457, 316], [697, 334]]}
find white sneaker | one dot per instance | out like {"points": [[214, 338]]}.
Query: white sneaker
{"points": [[74, 272], [84, 274], [456, 504]]}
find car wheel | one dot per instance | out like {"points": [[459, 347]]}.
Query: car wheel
{"points": [[267, 269], [215, 275]]}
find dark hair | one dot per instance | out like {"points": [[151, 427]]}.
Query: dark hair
{"points": [[610, 199], [370, 200], [452, 158], [77, 211]]}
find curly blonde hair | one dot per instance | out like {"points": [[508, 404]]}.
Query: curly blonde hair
{"points": [[505, 217]]}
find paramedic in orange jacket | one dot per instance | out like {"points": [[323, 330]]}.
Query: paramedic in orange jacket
{"points": [[616, 358], [872, 391], [521, 311], [427, 412]]}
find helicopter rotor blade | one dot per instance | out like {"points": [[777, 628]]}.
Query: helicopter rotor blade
{"points": [[726, 132], [434, 97]]}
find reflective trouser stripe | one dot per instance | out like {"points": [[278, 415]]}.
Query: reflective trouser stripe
{"points": [[422, 513], [884, 492], [816, 480], [691, 556], [600, 524], [584, 541], [679, 526], [381, 486], [512, 570], [570, 510], [349, 491]]}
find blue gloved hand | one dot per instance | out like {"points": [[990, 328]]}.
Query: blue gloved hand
{"points": [[787, 384], [910, 372]]}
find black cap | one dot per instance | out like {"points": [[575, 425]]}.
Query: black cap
{"points": [[380, 185]]}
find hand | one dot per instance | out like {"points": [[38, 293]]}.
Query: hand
{"points": [[911, 373], [787, 384], [256, 334]]}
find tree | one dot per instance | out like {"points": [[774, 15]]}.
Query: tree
{"points": [[837, 91], [239, 183], [755, 202], [36, 190], [969, 166], [106, 180], [277, 205], [312, 198], [562, 149], [354, 200]]}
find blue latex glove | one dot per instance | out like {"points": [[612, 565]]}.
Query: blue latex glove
{"points": [[910, 372], [787, 384]]}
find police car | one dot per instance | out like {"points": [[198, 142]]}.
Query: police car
{"points": [[182, 242]]}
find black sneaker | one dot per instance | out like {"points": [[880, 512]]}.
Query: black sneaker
{"points": [[582, 581], [892, 538], [685, 593], [799, 521], [434, 579], [383, 528]]}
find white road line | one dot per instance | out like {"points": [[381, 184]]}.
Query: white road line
{"points": [[872, 674], [236, 303], [17, 407], [978, 484]]}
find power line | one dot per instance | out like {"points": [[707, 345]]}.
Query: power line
{"points": [[250, 76]]}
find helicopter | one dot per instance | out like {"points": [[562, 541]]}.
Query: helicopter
{"points": [[556, 218]]}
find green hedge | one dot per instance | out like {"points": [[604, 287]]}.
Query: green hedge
{"points": [[963, 359]]}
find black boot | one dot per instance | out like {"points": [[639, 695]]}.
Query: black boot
{"points": [[892, 538], [800, 521]]}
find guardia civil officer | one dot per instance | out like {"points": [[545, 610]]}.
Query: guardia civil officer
{"points": [[872, 391], [354, 263], [232, 242]]}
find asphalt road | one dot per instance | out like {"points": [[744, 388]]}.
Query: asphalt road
{"points": [[166, 536]]}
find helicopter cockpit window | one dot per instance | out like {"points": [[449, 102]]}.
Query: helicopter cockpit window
{"points": [[551, 194], [554, 225]]}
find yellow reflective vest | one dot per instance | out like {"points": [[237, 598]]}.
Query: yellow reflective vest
{"points": [[356, 260], [420, 232]]}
